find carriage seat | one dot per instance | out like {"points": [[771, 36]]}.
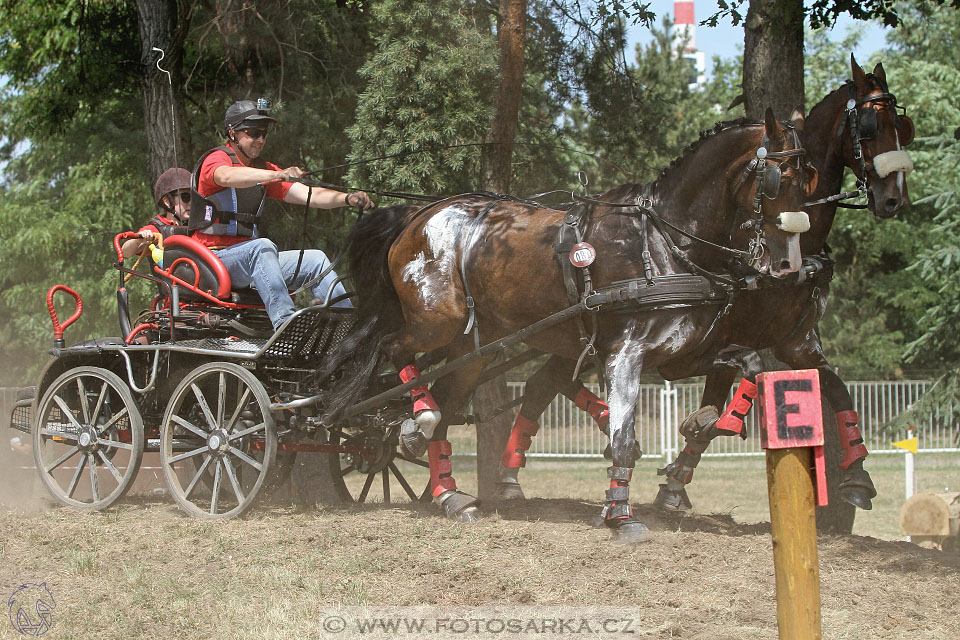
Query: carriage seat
{"points": [[194, 263]]}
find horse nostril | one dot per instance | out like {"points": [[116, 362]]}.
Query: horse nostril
{"points": [[784, 265], [892, 204]]}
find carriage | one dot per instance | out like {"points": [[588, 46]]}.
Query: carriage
{"points": [[202, 379]]}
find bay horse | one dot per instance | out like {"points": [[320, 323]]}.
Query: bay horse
{"points": [[487, 262], [856, 126]]}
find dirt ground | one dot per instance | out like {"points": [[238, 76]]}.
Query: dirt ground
{"points": [[143, 570]]}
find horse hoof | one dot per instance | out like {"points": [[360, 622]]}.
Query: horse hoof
{"points": [[413, 445], [459, 505], [629, 530], [857, 488], [508, 491], [673, 500]]}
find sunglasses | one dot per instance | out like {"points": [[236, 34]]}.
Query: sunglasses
{"points": [[183, 195], [256, 133]]}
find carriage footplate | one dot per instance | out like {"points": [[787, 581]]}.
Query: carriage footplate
{"points": [[459, 505]]}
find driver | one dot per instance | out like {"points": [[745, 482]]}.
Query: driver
{"points": [[231, 183], [172, 195]]}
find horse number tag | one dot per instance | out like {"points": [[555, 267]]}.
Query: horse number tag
{"points": [[582, 254]]}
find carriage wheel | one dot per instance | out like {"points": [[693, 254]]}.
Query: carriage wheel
{"points": [[87, 438], [383, 476], [218, 416]]}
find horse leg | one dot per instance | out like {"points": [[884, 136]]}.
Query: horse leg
{"points": [[452, 391], [705, 424], [623, 371], [856, 487], [553, 377]]}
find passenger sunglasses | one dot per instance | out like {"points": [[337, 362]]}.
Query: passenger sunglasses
{"points": [[184, 196]]}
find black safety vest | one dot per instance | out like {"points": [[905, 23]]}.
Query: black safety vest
{"points": [[228, 212]]}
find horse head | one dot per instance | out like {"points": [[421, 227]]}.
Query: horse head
{"points": [[772, 189], [874, 130]]}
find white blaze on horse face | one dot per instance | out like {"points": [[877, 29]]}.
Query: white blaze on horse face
{"points": [[431, 272], [794, 259]]}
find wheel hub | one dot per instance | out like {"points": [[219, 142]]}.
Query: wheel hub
{"points": [[87, 439], [218, 442]]}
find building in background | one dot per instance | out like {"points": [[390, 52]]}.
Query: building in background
{"points": [[685, 36]]}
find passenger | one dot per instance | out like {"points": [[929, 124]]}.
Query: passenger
{"points": [[231, 183], [172, 195]]}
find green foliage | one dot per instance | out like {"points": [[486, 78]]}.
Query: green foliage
{"points": [[429, 84]]}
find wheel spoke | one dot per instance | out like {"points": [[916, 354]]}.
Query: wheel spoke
{"points": [[76, 476], [250, 461], [66, 410], [196, 478], [403, 481], [110, 467], [347, 470], [99, 405], [62, 435], [416, 461], [233, 480], [240, 434], [386, 486], [109, 423], [59, 461], [221, 398], [366, 487], [215, 492], [189, 426], [240, 405], [202, 401], [116, 444], [94, 479], [83, 401], [188, 454]]}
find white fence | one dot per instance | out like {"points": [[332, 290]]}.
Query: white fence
{"points": [[567, 432]]}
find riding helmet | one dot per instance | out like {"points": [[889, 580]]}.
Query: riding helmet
{"points": [[245, 114], [169, 181]]}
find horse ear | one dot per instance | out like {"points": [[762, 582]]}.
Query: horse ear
{"points": [[771, 126], [810, 178], [881, 74], [859, 76], [797, 119]]}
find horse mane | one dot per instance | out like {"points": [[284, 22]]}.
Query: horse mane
{"points": [[704, 136]]}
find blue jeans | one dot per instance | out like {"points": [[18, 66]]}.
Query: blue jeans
{"points": [[257, 263]]}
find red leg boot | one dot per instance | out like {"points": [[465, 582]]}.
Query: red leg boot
{"points": [[456, 504], [731, 421], [856, 487], [426, 416], [513, 459], [597, 408]]}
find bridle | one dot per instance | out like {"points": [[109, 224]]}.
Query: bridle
{"points": [[863, 125], [768, 169]]}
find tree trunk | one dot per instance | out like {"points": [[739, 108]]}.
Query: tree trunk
{"points": [[773, 57], [492, 435], [164, 25], [511, 27]]}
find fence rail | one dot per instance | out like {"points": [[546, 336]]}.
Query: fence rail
{"points": [[567, 432]]}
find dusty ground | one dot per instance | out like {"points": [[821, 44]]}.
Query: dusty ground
{"points": [[142, 570]]}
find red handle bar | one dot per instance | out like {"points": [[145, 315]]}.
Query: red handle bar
{"points": [[57, 327]]}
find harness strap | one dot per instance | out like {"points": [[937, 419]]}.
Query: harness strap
{"points": [[474, 228]]}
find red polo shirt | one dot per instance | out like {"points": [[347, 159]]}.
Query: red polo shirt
{"points": [[207, 187]]}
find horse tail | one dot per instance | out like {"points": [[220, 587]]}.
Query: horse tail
{"points": [[355, 359]]}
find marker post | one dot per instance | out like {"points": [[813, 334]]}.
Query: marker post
{"points": [[792, 433]]}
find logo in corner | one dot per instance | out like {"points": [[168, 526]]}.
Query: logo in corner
{"points": [[31, 609]]}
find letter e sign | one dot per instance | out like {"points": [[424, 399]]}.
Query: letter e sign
{"points": [[790, 409]]}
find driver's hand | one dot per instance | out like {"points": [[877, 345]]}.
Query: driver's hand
{"points": [[291, 173], [359, 199]]}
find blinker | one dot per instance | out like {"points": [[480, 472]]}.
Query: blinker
{"points": [[867, 121], [771, 181]]}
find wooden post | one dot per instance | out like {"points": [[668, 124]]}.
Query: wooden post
{"points": [[793, 527], [792, 434]]}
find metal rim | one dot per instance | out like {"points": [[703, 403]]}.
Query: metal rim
{"points": [[220, 415], [87, 438]]}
